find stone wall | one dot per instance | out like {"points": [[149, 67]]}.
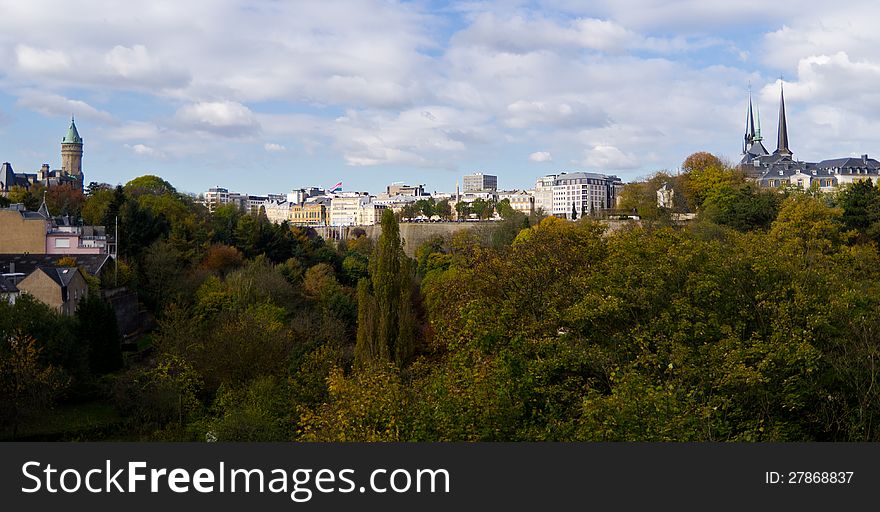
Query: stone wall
{"points": [[415, 234]]}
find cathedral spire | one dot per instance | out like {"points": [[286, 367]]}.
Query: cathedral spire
{"points": [[749, 135], [782, 135]]}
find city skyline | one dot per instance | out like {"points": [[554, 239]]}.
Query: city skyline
{"points": [[425, 92]]}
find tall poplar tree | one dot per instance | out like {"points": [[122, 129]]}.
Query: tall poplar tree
{"points": [[386, 322]]}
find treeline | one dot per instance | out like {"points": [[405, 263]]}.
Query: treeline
{"points": [[756, 322]]}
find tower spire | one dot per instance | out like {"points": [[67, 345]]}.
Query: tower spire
{"points": [[749, 135], [782, 134]]}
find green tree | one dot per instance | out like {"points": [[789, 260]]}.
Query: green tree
{"points": [[391, 274], [149, 184], [444, 210], [861, 209], [743, 208], [94, 211], [481, 208], [27, 385], [703, 174]]}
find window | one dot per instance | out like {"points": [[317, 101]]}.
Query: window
{"points": [[62, 243]]}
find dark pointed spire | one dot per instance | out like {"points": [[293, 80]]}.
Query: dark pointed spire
{"points": [[782, 134], [749, 136]]}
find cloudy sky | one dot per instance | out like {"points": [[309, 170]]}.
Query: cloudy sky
{"points": [[265, 96]]}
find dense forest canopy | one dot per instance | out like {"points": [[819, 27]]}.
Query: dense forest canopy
{"points": [[758, 321]]}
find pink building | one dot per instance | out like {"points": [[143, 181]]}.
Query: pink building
{"points": [[76, 240]]}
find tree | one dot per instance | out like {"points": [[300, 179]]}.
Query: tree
{"points": [[743, 208], [65, 199], [504, 209], [389, 299], [97, 329], [444, 210], [27, 385], [30, 197], [861, 209], [702, 175], [409, 211], [463, 209], [481, 208], [94, 210], [426, 207], [574, 212], [148, 184]]}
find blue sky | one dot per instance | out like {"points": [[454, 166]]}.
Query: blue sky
{"points": [[265, 96]]}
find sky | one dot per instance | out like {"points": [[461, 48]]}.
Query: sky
{"points": [[268, 96]]}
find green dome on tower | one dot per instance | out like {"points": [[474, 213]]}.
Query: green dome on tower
{"points": [[72, 136]]}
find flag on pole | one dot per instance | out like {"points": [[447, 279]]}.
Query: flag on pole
{"points": [[337, 187]]}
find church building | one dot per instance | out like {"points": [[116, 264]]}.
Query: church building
{"points": [[782, 169]]}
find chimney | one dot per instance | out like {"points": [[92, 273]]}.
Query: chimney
{"points": [[11, 267], [865, 159]]}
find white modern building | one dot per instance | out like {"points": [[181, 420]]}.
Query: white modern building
{"points": [[584, 193], [218, 196]]}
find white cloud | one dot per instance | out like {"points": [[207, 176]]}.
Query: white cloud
{"points": [[144, 150], [271, 147], [41, 61], [425, 136], [225, 118], [541, 156], [522, 114], [609, 158], [51, 105], [134, 130]]}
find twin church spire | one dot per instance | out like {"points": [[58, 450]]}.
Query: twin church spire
{"points": [[752, 144]]}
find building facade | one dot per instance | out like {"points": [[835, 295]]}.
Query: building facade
{"points": [[402, 189], [583, 193], [543, 193], [479, 181], [345, 208], [61, 288], [520, 200]]}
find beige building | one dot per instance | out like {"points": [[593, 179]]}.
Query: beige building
{"points": [[22, 231], [306, 214], [60, 288], [371, 213], [520, 200]]}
